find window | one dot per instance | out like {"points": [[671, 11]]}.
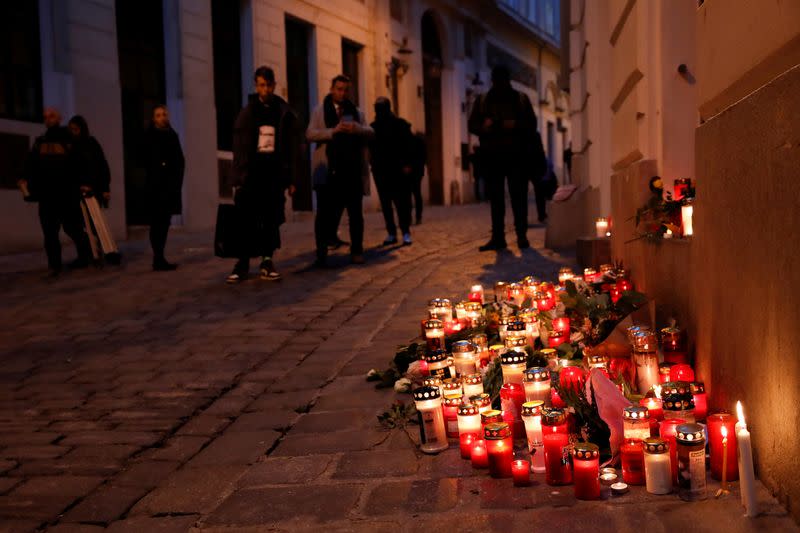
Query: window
{"points": [[20, 62], [396, 10], [227, 50], [468, 37], [350, 57]]}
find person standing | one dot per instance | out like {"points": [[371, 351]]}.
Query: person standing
{"points": [[164, 166], [390, 155], [340, 173], [52, 175], [506, 124], [265, 148], [416, 171]]}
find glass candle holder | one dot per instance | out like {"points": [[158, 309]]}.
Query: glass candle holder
{"points": [[645, 358], [663, 372], [668, 429], [624, 284], [556, 338], [565, 274], [561, 324], [502, 327], [718, 452], [465, 443], [681, 372], [532, 418], [473, 384], [516, 336], [434, 381], [551, 356], [492, 416], [529, 317], [512, 396], [536, 381], [469, 420], [601, 227], [606, 269], [474, 312], [691, 462], [500, 449], [434, 334], [513, 365], [432, 433], [632, 462], [451, 386], [450, 408], [500, 291], [554, 421], [586, 471], [589, 275], [556, 459], [476, 294], [636, 422], [516, 294], [442, 309], [687, 213], [521, 472], [479, 457], [614, 293], [655, 409], [482, 401], [673, 345], [657, 468], [542, 301], [465, 358], [439, 364], [680, 188], [461, 311], [679, 406], [572, 378], [599, 361], [700, 400]]}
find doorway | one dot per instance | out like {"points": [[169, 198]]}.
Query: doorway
{"points": [[298, 84], [140, 47], [432, 96]]}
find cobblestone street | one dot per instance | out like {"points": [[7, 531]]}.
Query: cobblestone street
{"points": [[139, 401]]}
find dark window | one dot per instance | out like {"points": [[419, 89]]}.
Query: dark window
{"points": [[468, 40], [226, 31], [350, 53], [20, 62], [396, 9], [13, 151]]}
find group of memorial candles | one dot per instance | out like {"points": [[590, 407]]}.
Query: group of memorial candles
{"points": [[664, 443]]}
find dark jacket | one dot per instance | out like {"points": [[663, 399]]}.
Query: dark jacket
{"points": [[164, 166], [391, 148], [95, 172], [245, 144], [52, 167], [517, 144]]}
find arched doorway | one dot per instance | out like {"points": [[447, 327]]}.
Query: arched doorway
{"points": [[432, 87]]}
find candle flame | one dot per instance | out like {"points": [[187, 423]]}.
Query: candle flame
{"points": [[657, 389], [724, 432], [740, 413]]}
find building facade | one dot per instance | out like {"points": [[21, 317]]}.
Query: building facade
{"points": [[113, 60]]}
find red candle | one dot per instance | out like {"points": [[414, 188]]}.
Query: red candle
{"points": [[476, 294], [450, 408], [572, 378], [479, 456], [555, 399], [556, 339], [663, 372], [700, 400], [561, 324], [615, 294], [586, 474], [556, 459], [521, 472], [554, 421], [632, 462], [715, 423], [466, 442], [667, 431], [654, 406], [624, 285], [681, 372], [512, 396], [500, 449], [542, 301]]}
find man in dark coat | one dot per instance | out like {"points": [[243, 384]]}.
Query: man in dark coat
{"points": [[416, 171], [51, 174], [265, 150], [391, 157], [506, 124], [164, 165]]}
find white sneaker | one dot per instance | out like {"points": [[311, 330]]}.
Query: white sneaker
{"points": [[406, 239], [390, 240]]}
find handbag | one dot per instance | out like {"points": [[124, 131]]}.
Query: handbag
{"points": [[228, 234]]}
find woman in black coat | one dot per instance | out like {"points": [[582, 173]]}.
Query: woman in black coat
{"points": [[164, 164]]}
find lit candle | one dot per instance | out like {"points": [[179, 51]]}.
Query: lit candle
{"points": [[667, 430], [482, 401], [474, 312], [476, 294], [654, 407], [565, 274], [663, 372], [691, 462], [469, 419], [679, 406], [529, 318], [465, 357], [442, 309], [479, 457], [433, 437], [500, 291], [572, 377], [722, 457], [439, 364], [687, 211], [465, 443], [673, 345], [635, 423], [516, 293], [556, 459], [724, 431], [502, 328], [615, 294], [624, 285], [434, 334], [632, 462], [589, 275], [536, 381], [657, 469], [601, 227], [521, 472], [532, 418], [645, 357], [473, 384], [561, 324], [681, 372], [746, 472], [461, 311], [586, 475], [681, 188], [500, 449], [451, 386], [450, 408]]}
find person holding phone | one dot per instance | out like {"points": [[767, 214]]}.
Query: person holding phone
{"points": [[340, 173]]}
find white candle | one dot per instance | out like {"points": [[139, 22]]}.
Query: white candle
{"points": [[657, 467], [747, 477], [601, 227], [686, 218]]}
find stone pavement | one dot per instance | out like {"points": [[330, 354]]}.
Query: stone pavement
{"points": [[139, 401]]}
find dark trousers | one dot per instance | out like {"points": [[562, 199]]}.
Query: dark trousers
{"points": [[416, 192], [496, 178], [262, 216], [159, 228], [57, 214], [541, 200], [332, 200], [394, 190]]}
